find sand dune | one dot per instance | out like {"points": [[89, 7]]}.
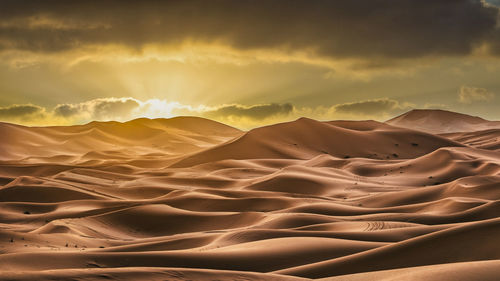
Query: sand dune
{"points": [[441, 121], [144, 139], [486, 139], [192, 199], [306, 138], [483, 270]]}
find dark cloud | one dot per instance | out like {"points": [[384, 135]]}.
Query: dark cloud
{"points": [[99, 108], [66, 110], [258, 112], [17, 111], [108, 108], [354, 28], [372, 107]]}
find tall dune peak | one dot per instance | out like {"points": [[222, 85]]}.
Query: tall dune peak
{"points": [[438, 121]]}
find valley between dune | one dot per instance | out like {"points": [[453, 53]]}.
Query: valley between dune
{"points": [[186, 198]]}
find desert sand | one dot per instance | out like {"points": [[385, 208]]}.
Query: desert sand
{"points": [[186, 198]]}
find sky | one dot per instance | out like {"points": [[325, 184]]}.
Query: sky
{"points": [[246, 63]]}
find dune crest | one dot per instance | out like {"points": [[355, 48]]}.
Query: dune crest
{"points": [[188, 198]]}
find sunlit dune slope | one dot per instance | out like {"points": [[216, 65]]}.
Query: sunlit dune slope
{"points": [[441, 121], [487, 139], [112, 140]]}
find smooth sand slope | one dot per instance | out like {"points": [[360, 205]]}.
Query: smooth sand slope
{"points": [[438, 121], [192, 199]]}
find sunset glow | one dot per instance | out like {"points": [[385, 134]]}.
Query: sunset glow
{"points": [[189, 57]]}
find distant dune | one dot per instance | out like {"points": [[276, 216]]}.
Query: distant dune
{"points": [[441, 121], [186, 198], [112, 140]]}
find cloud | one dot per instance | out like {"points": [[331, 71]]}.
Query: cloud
{"points": [[493, 2], [126, 108], [67, 110], [375, 107], [97, 109], [107, 108], [242, 116], [435, 106], [21, 111], [468, 95], [336, 29], [258, 112]]}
